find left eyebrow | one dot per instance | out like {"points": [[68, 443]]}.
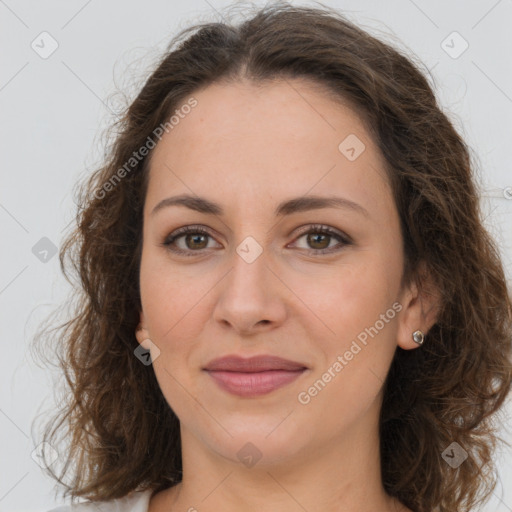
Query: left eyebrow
{"points": [[288, 207]]}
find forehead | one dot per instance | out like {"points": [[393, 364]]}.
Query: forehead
{"points": [[263, 138], [289, 109]]}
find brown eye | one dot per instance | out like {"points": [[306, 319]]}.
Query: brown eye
{"points": [[318, 240], [195, 240]]}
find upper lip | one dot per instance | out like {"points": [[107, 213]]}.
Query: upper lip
{"points": [[262, 363]]}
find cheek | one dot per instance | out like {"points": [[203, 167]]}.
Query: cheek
{"points": [[171, 297], [359, 351], [352, 297], [357, 306], [171, 304]]}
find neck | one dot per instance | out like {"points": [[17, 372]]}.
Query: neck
{"points": [[342, 474]]}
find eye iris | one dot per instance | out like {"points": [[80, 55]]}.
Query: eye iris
{"points": [[194, 237], [312, 239], [196, 240]]}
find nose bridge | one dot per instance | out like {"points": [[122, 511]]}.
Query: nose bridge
{"points": [[251, 251], [250, 265], [250, 291]]}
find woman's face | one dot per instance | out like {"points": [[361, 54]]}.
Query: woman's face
{"points": [[258, 284]]}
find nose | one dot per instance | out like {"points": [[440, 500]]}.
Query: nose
{"points": [[251, 296]]}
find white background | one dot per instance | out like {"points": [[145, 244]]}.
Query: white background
{"points": [[53, 114]]}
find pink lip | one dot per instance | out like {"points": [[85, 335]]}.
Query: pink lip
{"points": [[254, 376]]}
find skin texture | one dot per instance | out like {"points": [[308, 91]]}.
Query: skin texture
{"points": [[248, 147]]}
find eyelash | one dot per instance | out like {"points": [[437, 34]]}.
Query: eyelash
{"points": [[316, 228]]}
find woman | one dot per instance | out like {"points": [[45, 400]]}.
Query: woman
{"points": [[289, 299]]}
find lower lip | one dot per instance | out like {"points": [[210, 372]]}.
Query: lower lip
{"points": [[254, 384]]}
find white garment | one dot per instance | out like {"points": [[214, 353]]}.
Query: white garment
{"points": [[137, 501]]}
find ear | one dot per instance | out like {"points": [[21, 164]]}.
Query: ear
{"points": [[142, 333], [421, 301]]}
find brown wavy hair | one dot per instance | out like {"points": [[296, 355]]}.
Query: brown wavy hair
{"points": [[121, 433]]}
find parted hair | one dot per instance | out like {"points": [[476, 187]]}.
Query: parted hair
{"points": [[120, 433]]}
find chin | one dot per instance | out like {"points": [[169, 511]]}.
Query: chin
{"points": [[264, 444]]}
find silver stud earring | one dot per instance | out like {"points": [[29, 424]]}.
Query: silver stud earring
{"points": [[418, 337]]}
